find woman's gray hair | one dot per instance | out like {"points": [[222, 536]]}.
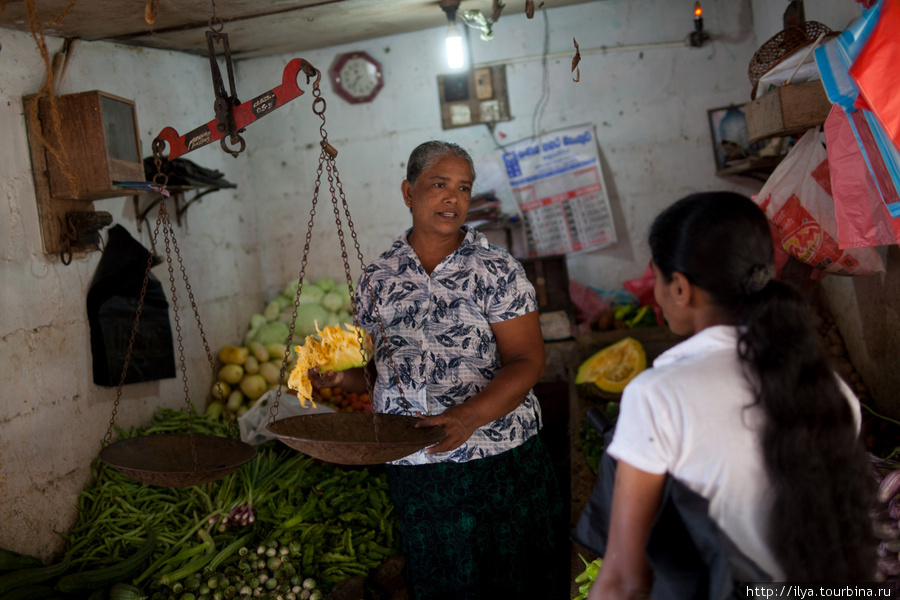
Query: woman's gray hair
{"points": [[428, 153]]}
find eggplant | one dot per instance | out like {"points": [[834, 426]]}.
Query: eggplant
{"points": [[889, 565], [889, 487], [886, 530]]}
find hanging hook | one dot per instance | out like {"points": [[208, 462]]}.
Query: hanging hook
{"points": [[310, 70], [215, 20], [160, 179], [225, 147]]}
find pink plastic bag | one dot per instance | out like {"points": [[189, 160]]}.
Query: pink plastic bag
{"points": [[797, 201], [862, 219], [587, 304], [643, 290]]}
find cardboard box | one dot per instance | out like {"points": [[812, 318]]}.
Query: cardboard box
{"points": [[787, 110]]}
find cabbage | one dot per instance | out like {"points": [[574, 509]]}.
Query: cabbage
{"points": [[290, 288], [333, 301], [257, 320], [311, 295], [325, 284], [307, 316], [346, 300], [284, 301], [270, 333]]}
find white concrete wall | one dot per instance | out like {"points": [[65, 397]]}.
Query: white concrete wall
{"points": [[768, 15], [649, 106], [52, 416]]}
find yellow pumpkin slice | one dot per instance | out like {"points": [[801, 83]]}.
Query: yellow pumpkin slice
{"points": [[613, 367]]}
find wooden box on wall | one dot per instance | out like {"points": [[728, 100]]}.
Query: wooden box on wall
{"points": [[100, 138], [787, 110]]}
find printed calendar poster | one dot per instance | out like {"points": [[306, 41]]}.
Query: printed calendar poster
{"points": [[558, 186]]}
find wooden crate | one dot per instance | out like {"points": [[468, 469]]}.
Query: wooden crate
{"points": [[787, 110], [99, 134]]}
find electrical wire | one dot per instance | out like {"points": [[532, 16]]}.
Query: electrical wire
{"points": [[492, 127], [538, 114]]}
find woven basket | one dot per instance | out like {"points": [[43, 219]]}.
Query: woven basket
{"points": [[781, 45]]}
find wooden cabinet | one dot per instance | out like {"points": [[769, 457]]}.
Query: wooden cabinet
{"points": [[98, 133]]}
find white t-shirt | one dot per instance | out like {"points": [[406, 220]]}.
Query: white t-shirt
{"points": [[689, 416]]}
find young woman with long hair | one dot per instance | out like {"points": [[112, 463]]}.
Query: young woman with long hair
{"points": [[746, 412]]}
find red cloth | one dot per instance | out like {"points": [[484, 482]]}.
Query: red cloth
{"points": [[876, 71]]}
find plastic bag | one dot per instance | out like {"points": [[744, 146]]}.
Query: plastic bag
{"points": [[875, 68], [835, 61], [800, 63], [862, 218], [642, 288], [797, 201], [587, 304], [253, 423]]}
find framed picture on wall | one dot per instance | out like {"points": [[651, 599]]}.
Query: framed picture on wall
{"points": [[731, 145]]}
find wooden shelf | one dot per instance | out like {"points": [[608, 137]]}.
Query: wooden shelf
{"points": [[141, 211], [758, 168]]}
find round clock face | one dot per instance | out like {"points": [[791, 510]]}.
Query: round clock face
{"points": [[357, 77]]}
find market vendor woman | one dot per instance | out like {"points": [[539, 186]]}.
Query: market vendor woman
{"points": [[461, 348]]}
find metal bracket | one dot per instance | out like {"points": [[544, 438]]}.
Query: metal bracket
{"points": [[82, 231], [225, 103]]}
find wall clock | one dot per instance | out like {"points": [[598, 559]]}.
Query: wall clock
{"points": [[356, 77]]}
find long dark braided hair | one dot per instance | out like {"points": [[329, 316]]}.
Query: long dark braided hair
{"points": [[819, 527]]}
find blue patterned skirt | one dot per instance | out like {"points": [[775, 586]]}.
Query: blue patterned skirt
{"points": [[487, 528]]}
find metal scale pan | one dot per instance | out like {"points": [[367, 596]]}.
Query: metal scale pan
{"points": [[350, 438], [168, 459], [185, 459]]}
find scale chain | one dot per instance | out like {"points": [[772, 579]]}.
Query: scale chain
{"points": [[327, 164], [137, 318], [273, 412], [167, 233]]}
